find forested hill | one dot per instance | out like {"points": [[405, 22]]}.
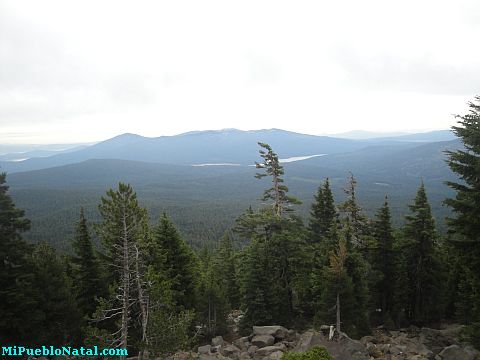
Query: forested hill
{"points": [[204, 200], [223, 146]]}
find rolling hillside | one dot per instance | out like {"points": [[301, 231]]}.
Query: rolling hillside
{"points": [[205, 200], [223, 146]]}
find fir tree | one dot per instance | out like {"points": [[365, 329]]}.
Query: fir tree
{"points": [[278, 193], [358, 222], [16, 301], [276, 255], [180, 264], [256, 287], [212, 300], [55, 299], [383, 260], [121, 232], [224, 266], [420, 253], [322, 214], [86, 272], [466, 207]]}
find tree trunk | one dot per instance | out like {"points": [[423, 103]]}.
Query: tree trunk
{"points": [[338, 313], [142, 301], [125, 285]]}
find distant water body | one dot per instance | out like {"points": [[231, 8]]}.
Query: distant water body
{"points": [[286, 160]]}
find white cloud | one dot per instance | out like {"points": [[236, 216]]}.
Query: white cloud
{"points": [[83, 71]]}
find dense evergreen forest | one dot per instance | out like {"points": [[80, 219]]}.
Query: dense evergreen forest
{"points": [[145, 289]]}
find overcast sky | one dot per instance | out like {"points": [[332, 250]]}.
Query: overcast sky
{"points": [[76, 71]]}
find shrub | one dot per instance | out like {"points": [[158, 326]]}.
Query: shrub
{"points": [[316, 353]]}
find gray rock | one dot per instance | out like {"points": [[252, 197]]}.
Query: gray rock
{"points": [[352, 346], [244, 356], [308, 340], [455, 352], [292, 335], [266, 351], [218, 340], [277, 355], [276, 331], [242, 343], [263, 340], [205, 349], [397, 349], [252, 349], [230, 351], [212, 357]]}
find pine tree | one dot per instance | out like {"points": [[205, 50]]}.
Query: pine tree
{"points": [[466, 207], [420, 253], [276, 255], [212, 299], [383, 260], [322, 214], [121, 232], [278, 193], [256, 287], [16, 302], [180, 264], [358, 222], [55, 298], [169, 328], [224, 266], [337, 302], [86, 272]]}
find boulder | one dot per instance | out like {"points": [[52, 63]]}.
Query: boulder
{"points": [[242, 343], [230, 351], [205, 349], [217, 341], [266, 351], [437, 340], [397, 349], [212, 357], [276, 331], [308, 340], [244, 356], [455, 352], [252, 349], [184, 355], [292, 336], [374, 351], [277, 355], [263, 340]]}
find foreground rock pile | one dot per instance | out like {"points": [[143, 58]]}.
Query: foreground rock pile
{"points": [[270, 342]]}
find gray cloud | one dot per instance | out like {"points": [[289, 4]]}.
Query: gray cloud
{"points": [[414, 74]]}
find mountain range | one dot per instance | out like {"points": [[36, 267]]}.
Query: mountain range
{"points": [[205, 200]]}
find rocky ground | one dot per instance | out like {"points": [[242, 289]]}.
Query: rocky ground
{"points": [[270, 342]]}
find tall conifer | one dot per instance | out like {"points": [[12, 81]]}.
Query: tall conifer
{"points": [[465, 224]]}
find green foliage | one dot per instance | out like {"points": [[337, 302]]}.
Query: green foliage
{"points": [[16, 300], [382, 260], [273, 273], [357, 223], [61, 317], [465, 225], [224, 268], [88, 282], [170, 332], [421, 265], [212, 303], [278, 193], [315, 353], [180, 263], [323, 214]]}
